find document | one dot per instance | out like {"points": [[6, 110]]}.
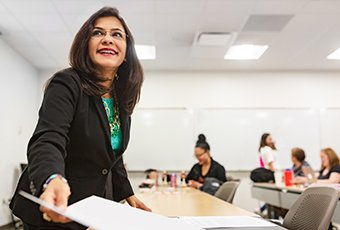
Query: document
{"points": [[102, 214], [213, 222]]}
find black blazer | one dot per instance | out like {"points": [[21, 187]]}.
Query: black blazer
{"points": [[72, 138]]}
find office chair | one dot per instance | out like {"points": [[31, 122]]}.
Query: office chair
{"points": [[313, 210], [227, 191]]}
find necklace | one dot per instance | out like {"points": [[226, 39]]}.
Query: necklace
{"points": [[113, 119]]}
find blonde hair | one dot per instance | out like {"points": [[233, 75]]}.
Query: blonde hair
{"points": [[332, 157]]}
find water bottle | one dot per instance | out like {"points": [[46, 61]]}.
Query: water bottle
{"points": [[173, 180]]}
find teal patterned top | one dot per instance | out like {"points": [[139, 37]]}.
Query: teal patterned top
{"points": [[116, 132]]}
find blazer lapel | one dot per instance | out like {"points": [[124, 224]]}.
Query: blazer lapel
{"points": [[105, 124], [124, 127]]}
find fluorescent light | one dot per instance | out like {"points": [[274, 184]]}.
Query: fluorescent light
{"points": [[335, 55], [245, 52], [145, 52]]}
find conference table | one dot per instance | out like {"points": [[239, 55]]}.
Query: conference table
{"points": [[185, 201], [283, 196]]}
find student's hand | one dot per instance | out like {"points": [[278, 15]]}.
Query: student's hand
{"points": [[195, 184], [57, 193], [300, 180], [136, 203]]}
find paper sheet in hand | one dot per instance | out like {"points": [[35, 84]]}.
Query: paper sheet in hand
{"points": [[103, 214], [214, 222]]}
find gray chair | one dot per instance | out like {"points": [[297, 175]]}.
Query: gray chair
{"points": [[227, 191], [313, 209]]}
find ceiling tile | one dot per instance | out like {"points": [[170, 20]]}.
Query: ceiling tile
{"points": [[74, 21], [140, 22], [278, 7], [42, 22], [322, 7], [180, 6], [176, 23], [132, 6], [220, 22], [87, 7], [230, 7], [32, 6]]}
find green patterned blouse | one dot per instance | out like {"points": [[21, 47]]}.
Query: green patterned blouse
{"points": [[116, 131]]}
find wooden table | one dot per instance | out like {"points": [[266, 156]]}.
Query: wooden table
{"points": [[186, 201]]}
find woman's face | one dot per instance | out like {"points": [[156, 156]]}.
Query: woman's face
{"points": [[201, 155], [324, 159], [107, 45], [269, 140], [294, 160]]}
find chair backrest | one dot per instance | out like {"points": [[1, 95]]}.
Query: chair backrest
{"points": [[227, 191], [313, 209]]}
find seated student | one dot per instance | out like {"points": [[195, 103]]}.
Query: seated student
{"points": [[268, 152], [151, 174], [206, 166], [151, 178], [330, 168], [298, 158]]}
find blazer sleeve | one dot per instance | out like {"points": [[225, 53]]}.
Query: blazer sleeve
{"points": [[121, 185], [47, 147]]}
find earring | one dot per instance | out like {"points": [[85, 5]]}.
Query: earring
{"points": [[116, 77]]}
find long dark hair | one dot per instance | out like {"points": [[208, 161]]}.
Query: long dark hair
{"points": [[130, 72], [263, 141], [202, 143]]}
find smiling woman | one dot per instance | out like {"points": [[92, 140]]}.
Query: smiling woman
{"points": [[84, 125]]}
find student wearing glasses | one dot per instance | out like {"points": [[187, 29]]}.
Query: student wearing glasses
{"points": [[206, 166], [84, 126]]}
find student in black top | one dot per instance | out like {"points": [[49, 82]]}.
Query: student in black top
{"points": [[298, 158], [206, 166], [330, 167]]}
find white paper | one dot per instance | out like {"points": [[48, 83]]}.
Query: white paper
{"points": [[207, 222], [103, 214]]}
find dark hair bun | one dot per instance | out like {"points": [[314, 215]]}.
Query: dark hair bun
{"points": [[201, 139]]}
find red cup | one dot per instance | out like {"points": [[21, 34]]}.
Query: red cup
{"points": [[288, 175]]}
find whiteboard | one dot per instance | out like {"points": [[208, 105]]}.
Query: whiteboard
{"points": [[162, 139], [165, 138], [234, 134]]}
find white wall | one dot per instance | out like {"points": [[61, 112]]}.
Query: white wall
{"points": [[195, 90], [18, 100], [241, 89], [237, 89]]}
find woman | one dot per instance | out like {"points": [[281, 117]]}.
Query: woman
{"points": [[206, 166], [84, 125], [268, 152], [298, 158], [330, 168]]}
